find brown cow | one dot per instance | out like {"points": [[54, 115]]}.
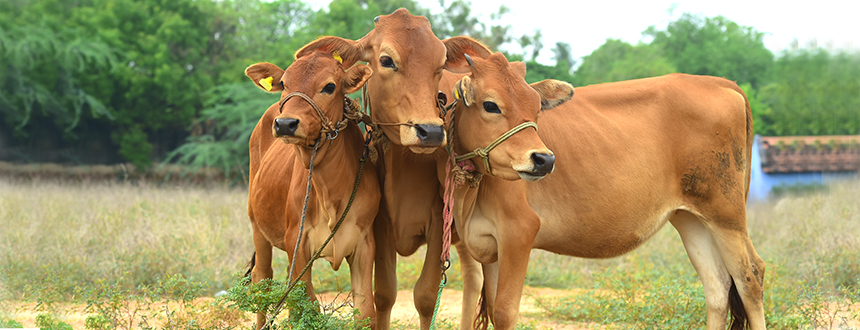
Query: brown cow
{"points": [[279, 172], [408, 61], [631, 156]]}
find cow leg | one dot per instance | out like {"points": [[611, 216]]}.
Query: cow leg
{"points": [[303, 259], [746, 268], [262, 265], [472, 283], [386, 272], [427, 286], [705, 257], [491, 287], [361, 274], [516, 239]]}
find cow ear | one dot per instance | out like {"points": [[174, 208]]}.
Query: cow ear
{"points": [[519, 68], [355, 78], [457, 46], [552, 92], [267, 76], [348, 51], [463, 91]]}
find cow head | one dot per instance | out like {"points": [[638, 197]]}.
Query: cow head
{"points": [[408, 60], [319, 75], [495, 99]]}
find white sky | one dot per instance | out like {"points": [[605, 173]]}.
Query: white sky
{"points": [[586, 25]]}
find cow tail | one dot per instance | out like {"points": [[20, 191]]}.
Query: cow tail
{"points": [[749, 143], [482, 319], [736, 308], [251, 265]]}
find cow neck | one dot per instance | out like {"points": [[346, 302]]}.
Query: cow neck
{"points": [[329, 133], [335, 165]]}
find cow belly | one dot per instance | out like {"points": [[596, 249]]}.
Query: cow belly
{"points": [[479, 234], [564, 233]]}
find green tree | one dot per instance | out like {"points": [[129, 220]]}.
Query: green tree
{"points": [[170, 54], [353, 19], [714, 46], [42, 73], [813, 92], [617, 60]]}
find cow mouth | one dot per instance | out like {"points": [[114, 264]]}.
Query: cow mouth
{"points": [[294, 140], [531, 176], [423, 150]]}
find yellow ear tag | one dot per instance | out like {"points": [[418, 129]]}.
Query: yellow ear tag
{"points": [[336, 55], [456, 94], [266, 83]]}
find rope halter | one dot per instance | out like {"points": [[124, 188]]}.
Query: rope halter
{"points": [[328, 127], [484, 153]]}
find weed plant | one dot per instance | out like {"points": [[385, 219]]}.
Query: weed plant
{"points": [[140, 256]]}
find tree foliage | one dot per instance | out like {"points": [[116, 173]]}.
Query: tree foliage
{"points": [[714, 46], [617, 60], [42, 72], [138, 78], [812, 92]]}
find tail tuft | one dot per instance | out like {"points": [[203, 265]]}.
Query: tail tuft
{"points": [[250, 265], [482, 319], [736, 307]]}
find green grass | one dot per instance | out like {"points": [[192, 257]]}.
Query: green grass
{"points": [[810, 241], [69, 242]]}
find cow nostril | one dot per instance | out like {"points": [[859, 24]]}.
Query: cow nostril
{"points": [[543, 162], [421, 132], [538, 159], [286, 126], [430, 135]]}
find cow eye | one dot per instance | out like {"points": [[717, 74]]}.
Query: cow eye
{"points": [[328, 89], [491, 107], [387, 62]]}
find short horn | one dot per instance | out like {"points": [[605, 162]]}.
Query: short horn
{"points": [[469, 60]]}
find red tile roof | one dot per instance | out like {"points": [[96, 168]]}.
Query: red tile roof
{"points": [[789, 154]]}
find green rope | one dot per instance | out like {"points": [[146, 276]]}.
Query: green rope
{"points": [[484, 153], [438, 303], [316, 255], [444, 281]]}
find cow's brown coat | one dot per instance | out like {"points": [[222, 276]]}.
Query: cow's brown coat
{"points": [[279, 172], [630, 157]]}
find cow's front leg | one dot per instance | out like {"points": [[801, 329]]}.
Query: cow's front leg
{"points": [[472, 283], [516, 238], [361, 274], [262, 268], [427, 286], [386, 271], [302, 260]]}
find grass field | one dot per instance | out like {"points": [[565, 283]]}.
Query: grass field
{"points": [[64, 243]]}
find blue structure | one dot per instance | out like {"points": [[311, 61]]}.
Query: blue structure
{"points": [[762, 184]]}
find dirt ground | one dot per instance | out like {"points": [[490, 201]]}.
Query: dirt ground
{"points": [[404, 310]]}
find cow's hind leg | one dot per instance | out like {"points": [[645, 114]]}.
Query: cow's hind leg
{"points": [[747, 271], [705, 257], [262, 268]]}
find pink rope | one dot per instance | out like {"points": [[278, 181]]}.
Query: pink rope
{"points": [[447, 214]]}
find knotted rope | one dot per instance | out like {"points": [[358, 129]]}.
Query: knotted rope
{"points": [[328, 126]]}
